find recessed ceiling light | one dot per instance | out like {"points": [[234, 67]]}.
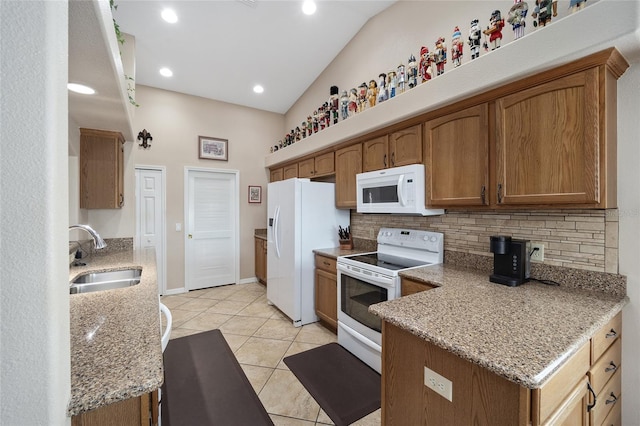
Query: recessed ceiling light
{"points": [[170, 16], [258, 89], [166, 72], [80, 88], [309, 7]]}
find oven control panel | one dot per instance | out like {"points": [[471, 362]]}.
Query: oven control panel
{"points": [[412, 238]]}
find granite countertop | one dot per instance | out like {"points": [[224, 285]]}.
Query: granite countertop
{"points": [[521, 333], [116, 352], [335, 252]]}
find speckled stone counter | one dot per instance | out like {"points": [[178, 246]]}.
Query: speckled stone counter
{"points": [[335, 252], [521, 333], [116, 352]]}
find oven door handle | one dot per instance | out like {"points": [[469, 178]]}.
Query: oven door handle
{"points": [[360, 338], [401, 190]]}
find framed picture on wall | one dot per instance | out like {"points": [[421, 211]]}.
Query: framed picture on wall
{"points": [[213, 148], [255, 194]]}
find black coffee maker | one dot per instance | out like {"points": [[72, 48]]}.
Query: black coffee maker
{"points": [[511, 261]]}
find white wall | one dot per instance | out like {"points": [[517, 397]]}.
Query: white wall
{"points": [[34, 304]]}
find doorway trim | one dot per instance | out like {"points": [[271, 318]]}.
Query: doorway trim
{"points": [[236, 174], [162, 287]]}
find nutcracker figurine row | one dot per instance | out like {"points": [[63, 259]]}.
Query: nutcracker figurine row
{"points": [[430, 64]]}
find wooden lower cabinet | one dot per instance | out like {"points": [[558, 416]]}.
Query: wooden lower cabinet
{"points": [[261, 259], [140, 411], [408, 286], [326, 290]]}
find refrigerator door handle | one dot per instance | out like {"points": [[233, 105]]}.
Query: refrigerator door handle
{"points": [[276, 226]]}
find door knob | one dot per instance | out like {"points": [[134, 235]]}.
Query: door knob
{"points": [[190, 236]]}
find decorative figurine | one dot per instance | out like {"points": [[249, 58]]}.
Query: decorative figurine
{"points": [[344, 105], [516, 16], [315, 121], [456, 47], [309, 125], [576, 5], [383, 94], [334, 102], [303, 132], [543, 11], [412, 74], [321, 117], [392, 83], [353, 102], [440, 55], [298, 134], [401, 78], [474, 39], [362, 96], [425, 65], [372, 93], [494, 30]]}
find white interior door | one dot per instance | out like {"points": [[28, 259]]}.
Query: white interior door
{"points": [[150, 217], [211, 244]]}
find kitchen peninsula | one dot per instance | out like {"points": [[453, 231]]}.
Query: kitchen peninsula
{"points": [[513, 354], [116, 354]]}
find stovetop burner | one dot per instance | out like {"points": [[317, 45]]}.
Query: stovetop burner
{"points": [[392, 263]]}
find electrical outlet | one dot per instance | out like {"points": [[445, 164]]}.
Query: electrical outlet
{"points": [[537, 255], [441, 385]]}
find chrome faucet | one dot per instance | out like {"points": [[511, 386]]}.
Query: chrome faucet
{"points": [[97, 239]]}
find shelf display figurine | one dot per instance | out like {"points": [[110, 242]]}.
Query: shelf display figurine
{"points": [[543, 11], [576, 5], [412, 72], [309, 125], [353, 102], [475, 36], [401, 79], [456, 47], [344, 105], [372, 93], [334, 102], [440, 56], [494, 30], [382, 94], [315, 121], [303, 130], [425, 65], [362, 96], [392, 83], [516, 17], [298, 134]]}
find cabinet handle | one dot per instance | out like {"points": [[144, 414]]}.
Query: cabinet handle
{"points": [[499, 193], [121, 202], [384, 160], [612, 367], [590, 406], [393, 158], [482, 194], [326, 263], [612, 400], [611, 334]]}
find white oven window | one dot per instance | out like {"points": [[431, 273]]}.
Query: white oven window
{"points": [[355, 298]]}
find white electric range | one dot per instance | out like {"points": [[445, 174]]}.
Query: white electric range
{"points": [[369, 278]]}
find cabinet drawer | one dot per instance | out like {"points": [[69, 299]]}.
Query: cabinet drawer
{"points": [[607, 400], [614, 418], [546, 399], [326, 263], [605, 337], [606, 366], [408, 287]]}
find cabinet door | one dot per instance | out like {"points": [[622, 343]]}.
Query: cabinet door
{"points": [[290, 171], [457, 158], [260, 260], [547, 148], [573, 410], [276, 175], [306, 168], [405, 146], [101, 169], [348, 165], [327, 297], [408, 287], [374, 154], [324, 164]]}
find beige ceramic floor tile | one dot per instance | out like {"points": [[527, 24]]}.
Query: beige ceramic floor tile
{"points": [[316, 333], [206, 321], [227, 306], [278, 314], [258, 309], [220, 293], [284, 395], [258, 376], [192, 294], [277, 329], [179, 317], [323, 418], [174, 301], [262, 352], [244, 296], [289, 421], [295, 348], [244, 326], [198, 304], [257, 287], [235, 341], [373, 419]]}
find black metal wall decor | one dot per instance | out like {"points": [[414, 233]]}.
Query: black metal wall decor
{"points": [[146, 139]]}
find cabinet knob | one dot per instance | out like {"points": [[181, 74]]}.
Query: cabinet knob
{"points": [[612, 399]]}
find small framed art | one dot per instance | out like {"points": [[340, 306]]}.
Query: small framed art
{"points": [[213, 148], [255, 194]]}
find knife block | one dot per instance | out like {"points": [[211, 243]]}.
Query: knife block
{"points": [[346, 244]]}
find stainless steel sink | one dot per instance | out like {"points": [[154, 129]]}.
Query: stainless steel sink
{"points": [[108, 280]]}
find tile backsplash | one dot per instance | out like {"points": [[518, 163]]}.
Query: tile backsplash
{"points": [[582, 239]]}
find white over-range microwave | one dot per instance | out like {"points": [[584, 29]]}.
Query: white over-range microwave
{"points": [[399, 190]]}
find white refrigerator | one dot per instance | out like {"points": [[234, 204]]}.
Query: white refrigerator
{"points": [[301, 217]]}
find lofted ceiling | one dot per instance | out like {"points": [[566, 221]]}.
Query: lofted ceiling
{"points": [[221, 49]]}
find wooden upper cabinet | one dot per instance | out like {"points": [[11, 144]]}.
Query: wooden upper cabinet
{"points": [[457, 158], [348, 165], [101, 169], [405, 146], [548, 143], [306, 168], [320, 165], [375, 154], [276, 174], [290, 171]]}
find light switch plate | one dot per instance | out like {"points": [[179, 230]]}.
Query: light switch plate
{"points": [[439, 384]]}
